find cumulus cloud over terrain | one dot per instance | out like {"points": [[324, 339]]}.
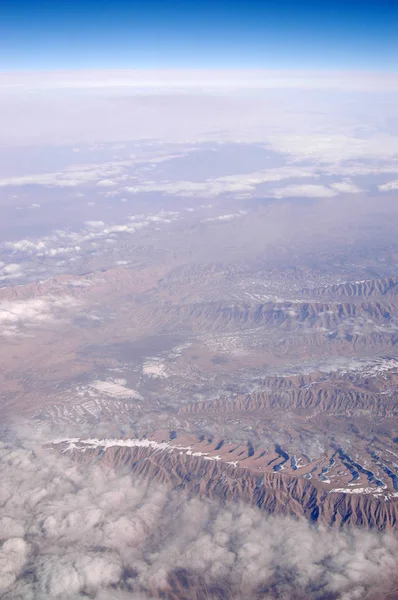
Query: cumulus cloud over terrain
{"points": [[69, 531], [63, 243], [22, 316]]}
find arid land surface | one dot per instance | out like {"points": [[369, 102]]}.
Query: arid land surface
{"points": [[206, 353]]}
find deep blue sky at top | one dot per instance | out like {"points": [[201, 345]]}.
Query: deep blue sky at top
{"points": [[59, 34]]}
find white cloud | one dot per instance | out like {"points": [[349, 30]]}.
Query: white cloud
{"points": [[357, 168], [22, 316], [95, 224], [335, 148], [10, 271], [106, 183], [68, 243], [346, 187], [12, 558], [230, 184], [227, 217], [303, 191], [106, 174], [391, 186], [71, 177]]}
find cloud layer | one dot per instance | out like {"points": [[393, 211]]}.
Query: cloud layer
{"points": [[75, 532], [182, 79]]}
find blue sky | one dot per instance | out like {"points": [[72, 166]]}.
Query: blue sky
{"points": [[223, 34]]}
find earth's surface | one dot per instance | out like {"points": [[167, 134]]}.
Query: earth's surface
{"points": [[205, 299]]}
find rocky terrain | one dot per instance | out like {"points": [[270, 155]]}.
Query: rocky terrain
{"points": [[285, 405], [240, 473], [251, 377]]}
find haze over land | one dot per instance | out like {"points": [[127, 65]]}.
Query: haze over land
{"points": [[199, 326]]}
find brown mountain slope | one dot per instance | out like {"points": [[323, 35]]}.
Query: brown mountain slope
{"points": [[213, 477]]}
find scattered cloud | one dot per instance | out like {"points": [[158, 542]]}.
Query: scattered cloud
{"points": [[323, 156], [391, 186], [110, 194], [67, 243]]}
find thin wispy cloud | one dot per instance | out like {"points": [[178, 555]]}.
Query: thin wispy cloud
{"points": [[304, 191], [226, 217]]}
